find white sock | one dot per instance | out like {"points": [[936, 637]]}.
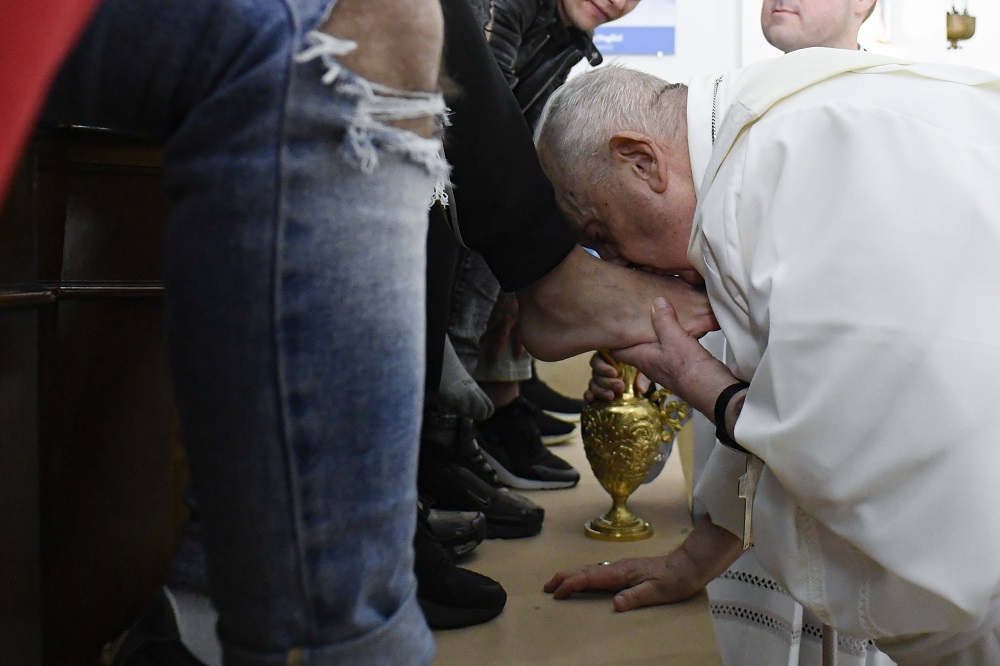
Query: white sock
{"points": [[196, 620]]}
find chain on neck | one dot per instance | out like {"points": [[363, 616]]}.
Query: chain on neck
{"points": [[715, 106]]}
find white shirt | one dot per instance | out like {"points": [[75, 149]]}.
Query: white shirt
{"points": [[848, 228]]}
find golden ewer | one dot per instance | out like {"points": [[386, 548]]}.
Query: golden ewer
{"points": [[622, 440]]}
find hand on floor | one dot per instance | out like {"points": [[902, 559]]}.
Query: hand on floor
{"points": [[639, 581], [707, 551]]}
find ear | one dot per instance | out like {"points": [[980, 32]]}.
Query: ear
{"points": [[642, 156]]}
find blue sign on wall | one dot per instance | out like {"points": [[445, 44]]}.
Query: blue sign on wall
{"points": [[647, 30], [621, 40]]}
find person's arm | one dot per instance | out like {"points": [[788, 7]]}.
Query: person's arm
{"points": [[504, 33], [678, 361], [706, 553], [504, 204]]}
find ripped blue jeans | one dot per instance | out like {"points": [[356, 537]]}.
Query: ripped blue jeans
{"points": [[294, 270]]}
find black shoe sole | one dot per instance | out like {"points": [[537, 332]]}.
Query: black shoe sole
{"points": [[554, 430], [568, 417], [501, 528], [455, 487], [553, 440], [447, 617], [464, 541], [510, 478]]}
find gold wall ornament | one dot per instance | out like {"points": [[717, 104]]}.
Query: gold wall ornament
{"points": [[622, 441], [959, 26]]}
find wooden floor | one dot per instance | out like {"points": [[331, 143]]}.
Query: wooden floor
{"points": [[536, 629]]}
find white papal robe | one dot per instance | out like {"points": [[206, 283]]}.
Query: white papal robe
{"points": [[750, 608], [848, 228]]}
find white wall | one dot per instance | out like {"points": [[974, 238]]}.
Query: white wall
{"points": [[707, 41], [917, 30], [718, 35]]}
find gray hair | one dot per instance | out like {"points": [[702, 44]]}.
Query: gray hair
{"points": [[584, 113]]}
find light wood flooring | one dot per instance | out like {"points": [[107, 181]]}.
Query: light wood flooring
{"points": [[535, 629]]}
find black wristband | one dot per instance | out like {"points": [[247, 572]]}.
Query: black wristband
{"points": [[721, 404]]}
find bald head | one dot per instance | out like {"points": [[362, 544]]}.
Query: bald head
{"points": [[790, 25]]}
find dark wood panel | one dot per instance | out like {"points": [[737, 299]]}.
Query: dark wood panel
{"points": [[103, 208], [106, 471], [89, 438], [18, 256], [20, 511]]}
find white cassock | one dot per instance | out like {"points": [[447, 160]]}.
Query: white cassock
{"points": [[748, 606], [848, 228]]}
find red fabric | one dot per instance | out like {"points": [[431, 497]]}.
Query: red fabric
{"points": [[37, 35]]}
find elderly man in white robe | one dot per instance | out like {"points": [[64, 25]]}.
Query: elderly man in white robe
{"points": [[747, 605], [841, 213]]}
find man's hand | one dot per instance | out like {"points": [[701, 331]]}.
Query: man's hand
{"points": [[639, 581], [678, 361], [649, 581]]}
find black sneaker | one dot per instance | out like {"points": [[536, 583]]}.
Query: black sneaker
{"points": [[549, 400], [459, 532], [453, 474], [450, 596], [154, 639], [513, 446], [552, 430]]}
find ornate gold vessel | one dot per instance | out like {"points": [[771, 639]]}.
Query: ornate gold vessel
{"points": [[959, 26], [622, 440]]}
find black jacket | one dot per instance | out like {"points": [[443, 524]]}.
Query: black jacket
{"points": [[535, 50], [506, 206]]}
